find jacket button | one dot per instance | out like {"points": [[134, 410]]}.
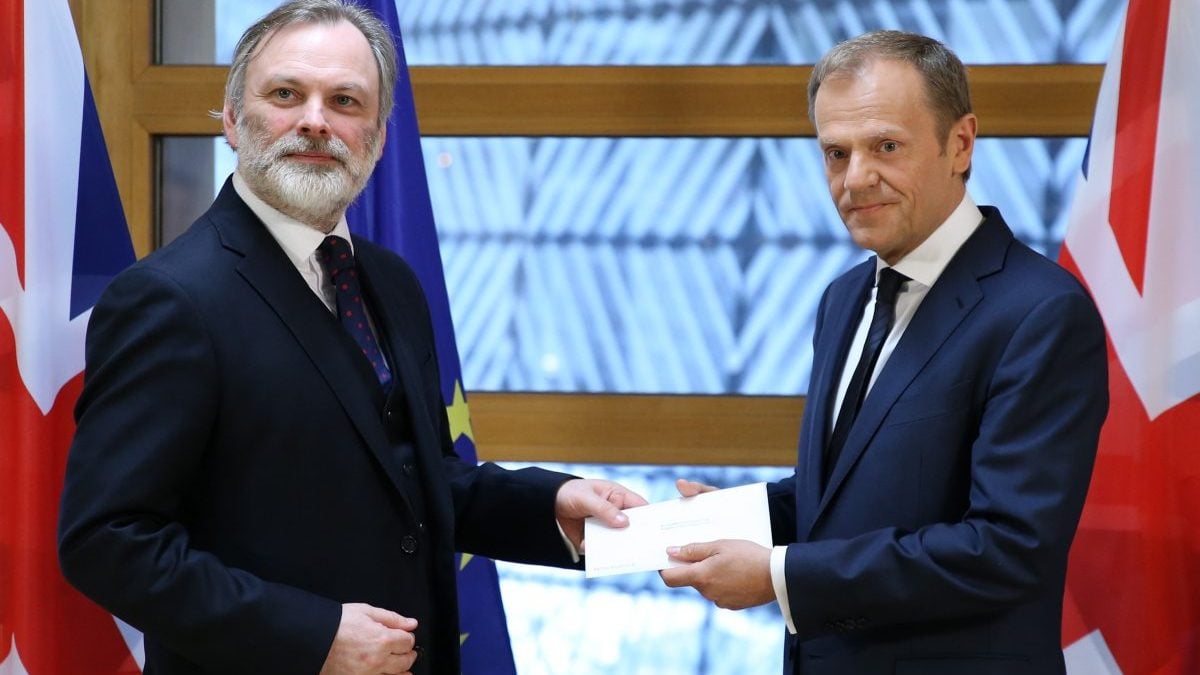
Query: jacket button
{"points": [[420, 527], [408, 544], [408, 469]]}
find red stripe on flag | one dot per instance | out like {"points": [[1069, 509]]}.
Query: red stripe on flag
{"points": [[1145, 45], [1132, 571], [12, 121], [56, 629]]}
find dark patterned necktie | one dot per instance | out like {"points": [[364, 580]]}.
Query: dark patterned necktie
{"points": [[339, 263], [881, 324]]}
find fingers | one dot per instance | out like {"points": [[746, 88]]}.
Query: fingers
{"points": [[579, 498], [690, 488], [619, 497], [607, 512], [676, 577], [693, 575], [391, 619], [372, 639], [625, 498], [399, 664], [693, 552]]}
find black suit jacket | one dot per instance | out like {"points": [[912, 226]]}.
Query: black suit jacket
{"points": [[237, 473], [940, 543]]}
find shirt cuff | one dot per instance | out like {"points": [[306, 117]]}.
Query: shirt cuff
{"points": [[570, 547], [779, 581]]}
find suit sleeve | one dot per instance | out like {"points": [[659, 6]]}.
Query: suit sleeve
{"points": [[508, 514], [1029, 465], [143, 420]]}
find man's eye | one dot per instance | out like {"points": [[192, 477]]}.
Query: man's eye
{"points": [[284, 94], [343, 100], [890, 146], [835, 155]]}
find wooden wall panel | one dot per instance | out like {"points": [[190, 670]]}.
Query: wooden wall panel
{"points": [[640, 101], [624, 429]]}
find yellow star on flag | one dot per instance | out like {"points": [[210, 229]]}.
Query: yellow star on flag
{"points": [[459, 415]]}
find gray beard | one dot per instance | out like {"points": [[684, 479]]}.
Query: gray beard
{"points": [[314, 195]]}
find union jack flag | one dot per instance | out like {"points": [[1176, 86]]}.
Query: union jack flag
{"points": [[62, 238], [1133, 587]]}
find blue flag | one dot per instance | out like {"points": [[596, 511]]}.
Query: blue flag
{"points": [[394, 211]]}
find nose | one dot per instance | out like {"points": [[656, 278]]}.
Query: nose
{"points": [[312, 120], [860, 173]]}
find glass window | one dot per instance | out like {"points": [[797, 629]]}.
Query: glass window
{"points": [[648, 265], [703, 32]]}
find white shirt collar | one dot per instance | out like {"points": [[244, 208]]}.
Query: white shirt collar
{"points": [[298, 241], [925, 263]]}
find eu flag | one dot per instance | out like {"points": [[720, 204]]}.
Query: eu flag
{"points": [[394, 211]]}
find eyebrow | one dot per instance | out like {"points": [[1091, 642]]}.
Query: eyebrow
{"points": [[880, 135], [292, 81]]}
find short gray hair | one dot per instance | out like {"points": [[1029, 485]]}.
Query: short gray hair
{"points": [[944, 75], [378, 36]]}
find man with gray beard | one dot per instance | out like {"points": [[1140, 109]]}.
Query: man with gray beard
{"points": [[262, 478]]}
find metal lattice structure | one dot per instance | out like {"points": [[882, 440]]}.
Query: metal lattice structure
{"points": [[669, 265]]}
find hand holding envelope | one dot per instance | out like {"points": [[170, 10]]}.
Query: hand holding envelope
{"points": [[734, 513]]}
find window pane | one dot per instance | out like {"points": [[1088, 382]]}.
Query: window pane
{"points": [[704, 32], [651, 265]]}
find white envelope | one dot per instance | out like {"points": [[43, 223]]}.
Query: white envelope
{"points": [[733, 513]]}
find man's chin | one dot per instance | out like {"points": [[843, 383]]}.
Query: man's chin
{"points": [[866, 234]]}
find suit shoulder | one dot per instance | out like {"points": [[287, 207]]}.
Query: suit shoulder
{"points": [[189, 259], [1030, 271]]}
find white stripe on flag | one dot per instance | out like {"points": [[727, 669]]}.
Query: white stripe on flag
{"points": [[135, 641], [49, 343], [12, 665], [1153, 332], [1090, 655]]}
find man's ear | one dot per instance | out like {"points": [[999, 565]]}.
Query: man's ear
{"points": [[961, 144], [229, 123]]}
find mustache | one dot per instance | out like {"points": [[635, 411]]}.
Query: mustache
{"points": [[288, 145]]}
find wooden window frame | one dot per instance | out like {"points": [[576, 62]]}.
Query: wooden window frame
{"points": [[138, 101]]}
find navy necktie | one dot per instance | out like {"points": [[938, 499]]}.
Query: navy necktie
{"points": [[339, 263], [881, 324]]}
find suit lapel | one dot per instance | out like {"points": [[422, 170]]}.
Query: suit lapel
{"points": [[842, 311], [953, 296], [268, 271]]}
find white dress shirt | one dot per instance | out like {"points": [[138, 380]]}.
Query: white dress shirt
{"points": [[298, 241], [923, 265]]}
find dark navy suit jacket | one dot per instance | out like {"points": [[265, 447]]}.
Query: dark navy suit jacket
{"points": [[940, 543], [237, 473]]}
